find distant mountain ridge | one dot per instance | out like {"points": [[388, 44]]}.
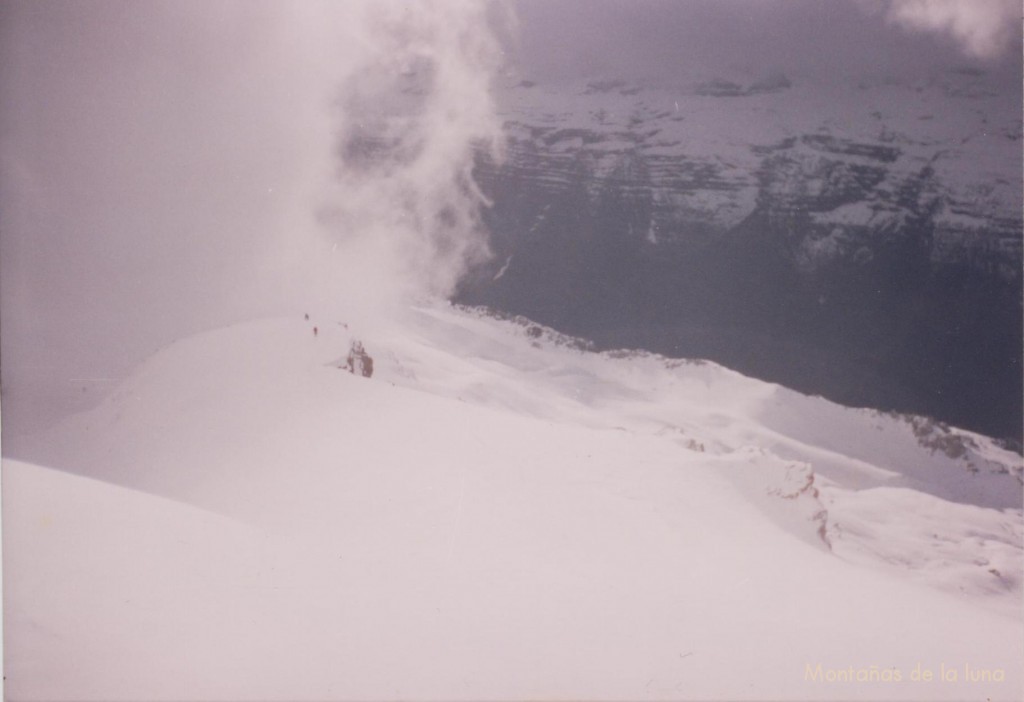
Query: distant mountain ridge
{"points": [[862, 241]]}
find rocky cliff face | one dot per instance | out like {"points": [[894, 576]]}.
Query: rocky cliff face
{"points": [[858, 240]]}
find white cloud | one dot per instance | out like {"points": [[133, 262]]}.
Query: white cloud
{"points": [[399, 213], [982, 28]]}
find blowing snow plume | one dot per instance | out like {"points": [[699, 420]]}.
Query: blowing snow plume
{"points": [[412, 111]]}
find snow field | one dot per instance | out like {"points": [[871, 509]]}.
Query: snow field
{"points": [[493, 515]]}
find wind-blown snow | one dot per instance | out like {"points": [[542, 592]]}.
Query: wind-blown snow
{"points": [[498, 513]]}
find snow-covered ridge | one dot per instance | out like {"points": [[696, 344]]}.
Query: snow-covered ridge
{"points": [[909, 446], [495, 493]]}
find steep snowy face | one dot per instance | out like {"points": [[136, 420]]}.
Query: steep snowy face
{"points": [[869, 157], [865, 237], [497, 493]]}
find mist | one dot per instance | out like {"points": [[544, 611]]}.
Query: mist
{"points": [[413, 108], [170, 167]]}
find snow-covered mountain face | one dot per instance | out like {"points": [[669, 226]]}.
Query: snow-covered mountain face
{"points": [[860, 239], [498, 512]]}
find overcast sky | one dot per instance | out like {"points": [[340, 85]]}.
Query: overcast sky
{"points": [[153, 153], [655, 39]]}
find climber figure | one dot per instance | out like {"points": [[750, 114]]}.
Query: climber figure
{"points": [[307, 316], [359, 362], [315, 331]]}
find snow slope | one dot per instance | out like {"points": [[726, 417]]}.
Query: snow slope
{"points": [[499, 514]]}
